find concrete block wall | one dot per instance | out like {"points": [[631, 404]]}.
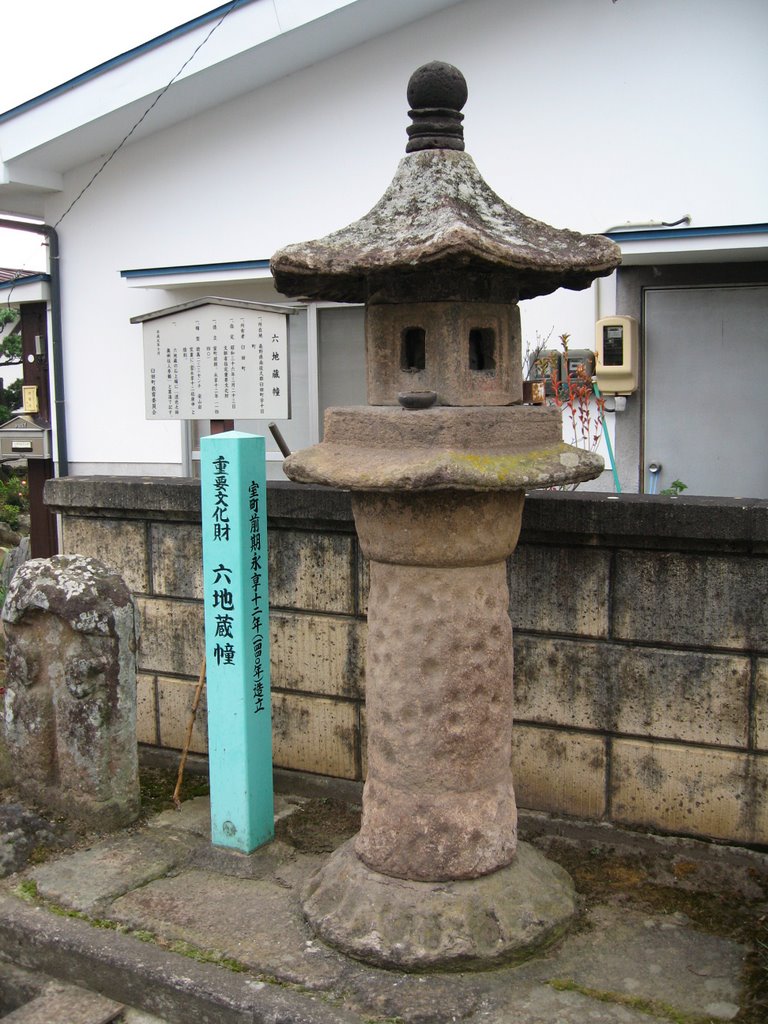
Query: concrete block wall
{"points": [[641, 647], [641, 642]]}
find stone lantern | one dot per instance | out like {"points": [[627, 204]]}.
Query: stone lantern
{"points": [[438, 464]]}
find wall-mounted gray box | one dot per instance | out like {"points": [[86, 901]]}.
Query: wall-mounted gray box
{"points": [[24, 438]]}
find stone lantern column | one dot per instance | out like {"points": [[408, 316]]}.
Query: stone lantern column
{"points": [[438, 464], [439, 801]]}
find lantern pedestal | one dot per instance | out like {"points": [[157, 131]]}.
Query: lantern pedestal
{"points": [[499, 918]]}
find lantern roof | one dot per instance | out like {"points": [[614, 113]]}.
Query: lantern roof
{"points": [[439, 217]]}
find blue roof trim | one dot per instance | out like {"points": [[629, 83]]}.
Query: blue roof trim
{"points": [[199, 268], [635, 235], [121, 58], [31, 279]]}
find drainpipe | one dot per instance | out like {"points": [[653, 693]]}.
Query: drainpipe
{"points": [[60, 415]]}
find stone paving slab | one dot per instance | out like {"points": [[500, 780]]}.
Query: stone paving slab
{"points": [[131, 1016], [255, 922], [276, 860], [542, 1005], [192, 816], [88, 879], [414, 998], [19, 988], [66, 1004], [604, 974], [655, 957], [195, 815]]}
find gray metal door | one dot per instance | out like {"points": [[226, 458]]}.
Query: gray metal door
{"points": [[341, 359], [706, 389]]}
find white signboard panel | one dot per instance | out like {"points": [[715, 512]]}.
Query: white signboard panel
{"points": [[216, 362]]}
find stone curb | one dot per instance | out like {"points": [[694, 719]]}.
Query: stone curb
{"points": [[139, 974]]}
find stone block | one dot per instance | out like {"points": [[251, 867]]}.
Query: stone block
{"points": [[697, 600], [559, 772], [146, 710], [563, 682], [61, 1002], [758, 521], [699, 791], [70, 689], [118, 543], [680, 695], [172, 637], [363, 742], [318, 654], [559, 590], [761, 705], [641, 520], [314, 734], [89, 879], [470, 351], [311, 570], [177, 560], [167, 497], [174, 699], [363, 582], [310, 505]]}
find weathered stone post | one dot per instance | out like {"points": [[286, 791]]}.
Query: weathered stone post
{"points": [[438, 464], [70, 696]]}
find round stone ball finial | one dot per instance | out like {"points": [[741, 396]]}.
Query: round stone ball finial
{"points": [[437, 84], [436, 92]]}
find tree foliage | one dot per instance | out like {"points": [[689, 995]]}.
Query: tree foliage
{"points": [[10, 342], [14, 498], [10, 355], [10, 399]]}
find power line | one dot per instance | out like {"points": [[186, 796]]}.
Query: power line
{"points": [[153, 104]]}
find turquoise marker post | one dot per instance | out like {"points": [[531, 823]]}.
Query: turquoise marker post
{"points": [[236, 598]]}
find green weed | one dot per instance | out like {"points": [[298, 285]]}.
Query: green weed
{"points": [[204, 956], [650, 1006], [27, 890]]}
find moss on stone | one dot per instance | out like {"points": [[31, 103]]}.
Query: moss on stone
{"points": [[652, 1007]]}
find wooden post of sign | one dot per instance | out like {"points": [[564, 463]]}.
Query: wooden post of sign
{"points": [[43, 533], [236, 599]]}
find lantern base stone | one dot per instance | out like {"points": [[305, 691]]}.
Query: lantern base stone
{"points": [[504, 917]]}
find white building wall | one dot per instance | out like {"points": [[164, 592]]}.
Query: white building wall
{"points": [[584, 113]]}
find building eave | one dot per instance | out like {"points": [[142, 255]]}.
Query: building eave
{"points": [[31, 288], [258, 43], [720, 243]]}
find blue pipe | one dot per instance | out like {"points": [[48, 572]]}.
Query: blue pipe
{"points": [[607, 437]]}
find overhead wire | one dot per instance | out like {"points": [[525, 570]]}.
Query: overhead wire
{"points": [[150, 108]]}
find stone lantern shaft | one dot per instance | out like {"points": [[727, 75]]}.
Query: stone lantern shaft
{"points": [[439, 801]]}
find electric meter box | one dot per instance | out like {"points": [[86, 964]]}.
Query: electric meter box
{"points": [[24, 438], [575, 358], [617, 354]]}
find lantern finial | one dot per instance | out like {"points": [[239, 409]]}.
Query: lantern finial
{"points": [[436, 93]]}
